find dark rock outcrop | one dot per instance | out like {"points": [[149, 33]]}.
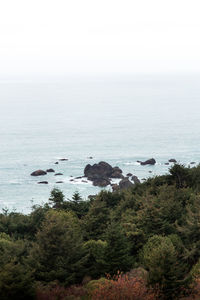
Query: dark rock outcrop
{"points": [[63, 159], [56, 163], [102, 182], [172, 160], [150, 161], [101, 170], [192, 163], [38, 173], [43, 182], [116, 173], [58, 174], [50, 170], [125, 183], [135, 179], [129, 174], [166, 163], [101, 173], [59, 181], [115, 187]]}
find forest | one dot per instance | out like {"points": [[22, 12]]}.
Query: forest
{"points": [[139, 243]]}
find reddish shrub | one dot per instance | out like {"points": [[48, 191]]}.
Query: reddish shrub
{"points": [[124, 288]]}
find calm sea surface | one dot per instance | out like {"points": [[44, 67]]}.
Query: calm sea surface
{"points": [[118, 120]]}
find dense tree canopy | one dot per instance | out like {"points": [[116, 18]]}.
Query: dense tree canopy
{"points": [[154, 225]]}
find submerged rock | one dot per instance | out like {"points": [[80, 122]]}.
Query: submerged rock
{"points": [[59, 181], [43, 182], [150, 161], [193, 162], [166, 163], [129, 174], [173, 160], [58, 174], [38, 173], [50, 170], [63, 159]]}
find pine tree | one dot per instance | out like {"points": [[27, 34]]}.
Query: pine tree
{"points": [[117, 252], [58, 252]]}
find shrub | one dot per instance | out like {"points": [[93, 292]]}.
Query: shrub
{"points": [[124, 288]]}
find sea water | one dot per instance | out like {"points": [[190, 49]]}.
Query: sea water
{"points": [[117, 119]]}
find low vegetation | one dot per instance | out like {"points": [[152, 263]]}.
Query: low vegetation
{"points": [[141, 243]]}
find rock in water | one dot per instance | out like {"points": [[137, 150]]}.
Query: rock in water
{"points": [[102, 169], [150, 161], [38, 173], [43, 182], [101, 173], [125, 184], [172, 160], [58, 174], [129, 174], [50, 170], [102, 182], [116, 173]]}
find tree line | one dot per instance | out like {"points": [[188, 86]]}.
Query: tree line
{"points": [[69, 246]]}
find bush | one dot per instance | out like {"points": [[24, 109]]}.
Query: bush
{"points": [[124, 288]]}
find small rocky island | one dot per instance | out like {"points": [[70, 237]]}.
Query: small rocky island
{"points": [[102, 173]]}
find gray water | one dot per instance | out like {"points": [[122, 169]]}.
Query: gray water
{"points": [[116, 119]]}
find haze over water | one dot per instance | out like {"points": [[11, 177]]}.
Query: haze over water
{"points": [[115, 119]]}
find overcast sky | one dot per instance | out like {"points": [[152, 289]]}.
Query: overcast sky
{"points": [[104, 36]]}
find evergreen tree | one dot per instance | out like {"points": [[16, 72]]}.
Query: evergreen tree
{"points": [[117, 253], [57, 198], [57, 253], [159, 256]]}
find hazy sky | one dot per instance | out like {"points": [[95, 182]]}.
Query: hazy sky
{"points": [[90, 36]]}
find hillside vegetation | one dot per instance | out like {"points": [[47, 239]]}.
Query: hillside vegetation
{"points": [[141, 243]]}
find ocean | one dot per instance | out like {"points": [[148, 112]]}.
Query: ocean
{"points": [[117, 119]]}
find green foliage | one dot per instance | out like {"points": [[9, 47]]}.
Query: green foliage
{"points": [[95, 257], [58, 251], [180, 174], [96, 220], [16, 282], [155, 225], [160, 257], [117, 253], [57, 198]]}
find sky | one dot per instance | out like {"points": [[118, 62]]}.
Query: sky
{"points": [[105, 36]]}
